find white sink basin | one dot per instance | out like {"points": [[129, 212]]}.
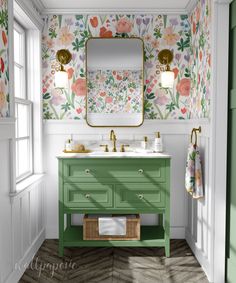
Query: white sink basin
{"points": [[100, 154]]}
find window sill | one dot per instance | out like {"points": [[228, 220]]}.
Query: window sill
{"points": [[26, 183]]}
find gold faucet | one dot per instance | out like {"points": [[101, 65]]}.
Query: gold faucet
{"points": [[113, 138]]}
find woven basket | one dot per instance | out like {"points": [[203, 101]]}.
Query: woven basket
{"points": [[90, 229]]}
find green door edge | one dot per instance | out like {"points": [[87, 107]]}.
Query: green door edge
{"points": [[231, 180]]}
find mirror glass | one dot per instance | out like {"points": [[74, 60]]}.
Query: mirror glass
{"points": [[114, 74]]}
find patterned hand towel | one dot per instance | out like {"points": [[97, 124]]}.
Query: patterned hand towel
{"points": [[193, 175]]}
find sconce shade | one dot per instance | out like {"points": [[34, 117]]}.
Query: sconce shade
{"points": [[61, 79], [165, 57], [167, 79]]}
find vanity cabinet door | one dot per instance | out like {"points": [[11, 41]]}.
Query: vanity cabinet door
{"points": [[146, 195], [88, 195]]}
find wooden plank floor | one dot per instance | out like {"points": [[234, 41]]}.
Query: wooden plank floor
{"points": [[114, 265]]}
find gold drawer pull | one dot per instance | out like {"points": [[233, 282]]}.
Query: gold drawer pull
{"points": [[87, 195], [87, 171], [140, 171], [140, 196]]}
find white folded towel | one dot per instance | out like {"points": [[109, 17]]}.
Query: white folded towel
{"points": [[193, 175], [112, 226]]}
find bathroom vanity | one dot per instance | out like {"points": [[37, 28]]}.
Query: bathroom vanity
{"points": [[114, 183]]}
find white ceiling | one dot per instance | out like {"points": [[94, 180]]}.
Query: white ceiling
{"points": [[73, 6]]}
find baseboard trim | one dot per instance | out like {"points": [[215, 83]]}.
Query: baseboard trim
{"points": [[202, 259], [177, 232], [20, 267]]}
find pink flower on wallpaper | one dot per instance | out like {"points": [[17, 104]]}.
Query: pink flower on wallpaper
{"points": [[194, 28], [2, 96], [57, 97], [183, 87], [108, 99], [170, 37], [2, 65], [4, 38], [183, 110], [105, 32], [197, 14], [123, 26], [94, 22], [50, 43], [79, 110], [155, 43], [79, 87], [70, 73], [65, 37], [176, 71], [161, 98]]}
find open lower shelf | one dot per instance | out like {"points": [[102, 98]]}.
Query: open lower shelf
{"points": [[151, 236]]}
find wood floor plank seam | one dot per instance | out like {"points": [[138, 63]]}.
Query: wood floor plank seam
{"points": [[114, 265]]}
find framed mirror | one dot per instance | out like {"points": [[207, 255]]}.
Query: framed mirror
{"points": [[114, 77]]}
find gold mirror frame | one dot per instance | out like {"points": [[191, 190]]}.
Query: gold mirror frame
{"points": [[142, 94]]}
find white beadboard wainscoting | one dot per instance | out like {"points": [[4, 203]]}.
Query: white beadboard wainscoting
{"points": [[199, 228], [21, 215], [190, 219]]}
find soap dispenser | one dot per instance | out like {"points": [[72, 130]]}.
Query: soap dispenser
{"points": [[68, 146], [158, 146], [144, 143]]}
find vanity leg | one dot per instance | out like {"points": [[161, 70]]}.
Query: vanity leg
{"points": [[68, 220], [160, 219], [167, 248], [61, 230]]}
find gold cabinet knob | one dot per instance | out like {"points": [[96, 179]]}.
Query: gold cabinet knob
{"points": [[140, 171], [122, 148], [87, 171], [87, 195], [105, 147], [140, 196]]}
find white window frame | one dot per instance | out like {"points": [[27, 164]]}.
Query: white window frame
{"points": [[24, 101]]}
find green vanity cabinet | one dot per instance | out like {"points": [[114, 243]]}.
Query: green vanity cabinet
{"points": [[114, 186]]}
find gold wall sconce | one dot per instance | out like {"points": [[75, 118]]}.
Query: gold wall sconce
{"points": [[165, 57], [61, 77]]}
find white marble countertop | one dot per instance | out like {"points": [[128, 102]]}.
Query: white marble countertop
{"points": [[128, 154]]}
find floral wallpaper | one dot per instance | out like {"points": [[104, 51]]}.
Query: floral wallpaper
{"points": [[200, 59], [4, 73], [158, 32], [114, 91]]}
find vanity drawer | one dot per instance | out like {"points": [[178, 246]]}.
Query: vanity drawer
{"points": [[136, 195], [88, 195], [115, 168]]}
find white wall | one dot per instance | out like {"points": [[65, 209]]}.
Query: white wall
{"points": [[21, 214], [176, 138], [199, 230]]}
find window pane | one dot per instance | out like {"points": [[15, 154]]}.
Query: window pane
{"points": [[19, 77], [17, 161], [18, 40], [16, 115], [23, 157], [22, 120]]}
